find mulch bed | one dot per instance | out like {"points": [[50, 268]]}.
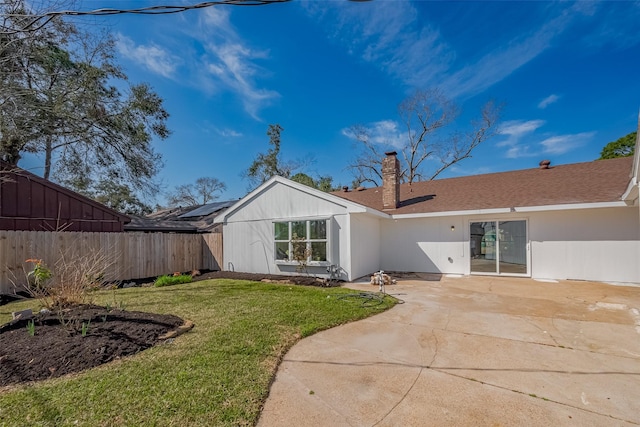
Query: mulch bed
{"points": [[58, 349], [296, 280]]}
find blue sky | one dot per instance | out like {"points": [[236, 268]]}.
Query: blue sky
{"points": [[568, 75]]}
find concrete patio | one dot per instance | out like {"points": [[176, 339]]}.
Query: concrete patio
{"points": [[471, 351]]}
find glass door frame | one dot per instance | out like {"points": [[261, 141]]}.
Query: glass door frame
{"points": [[497, 259]]}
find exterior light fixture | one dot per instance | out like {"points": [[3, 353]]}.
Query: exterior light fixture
{"points": [[453, 228]]}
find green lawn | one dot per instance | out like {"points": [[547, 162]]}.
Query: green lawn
{"points": [[216, 374]]}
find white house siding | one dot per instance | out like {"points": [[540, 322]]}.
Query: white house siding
{"points": [[585, 244], [248, 231], [590, 244], [365, 245], [424, 245]]}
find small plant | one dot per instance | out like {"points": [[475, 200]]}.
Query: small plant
{"points": [[104, 318], [31, 328], [301, 252], [108, 307], [122, 306], [40, 273], [95, 280], [172, 280], [69, 281], [85, 328]]}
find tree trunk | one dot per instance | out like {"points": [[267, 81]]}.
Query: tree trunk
{"points": [[47, 157]]}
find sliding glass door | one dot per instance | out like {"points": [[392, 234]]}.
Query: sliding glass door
{"points": [[499, 247]]}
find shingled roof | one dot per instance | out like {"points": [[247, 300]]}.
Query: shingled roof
{"points": [[590, 182]]}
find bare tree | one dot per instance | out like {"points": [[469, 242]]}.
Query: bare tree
{"points": [[367, 167], [202, 192], [424, 117]]}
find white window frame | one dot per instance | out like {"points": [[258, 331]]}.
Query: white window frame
{"points": [[308, 241]]}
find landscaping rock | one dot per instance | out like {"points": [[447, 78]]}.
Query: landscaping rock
{"points": [[24, 314]]}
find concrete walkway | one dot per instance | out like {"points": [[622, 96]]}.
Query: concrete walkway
{"points": [[471, 351]]}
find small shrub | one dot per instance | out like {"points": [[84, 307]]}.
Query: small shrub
{"points": [[40, 274], [301, 252], [172, 280], [70, 280]]}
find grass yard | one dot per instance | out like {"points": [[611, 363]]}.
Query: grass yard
{"points": [[216, 374]]}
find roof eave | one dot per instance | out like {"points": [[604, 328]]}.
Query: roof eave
{"points": [[514, 209]]}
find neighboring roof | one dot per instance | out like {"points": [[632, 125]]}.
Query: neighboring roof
{"points": [[592, 182], [208, 209], [190, 219], [44, 200], [170, 213], [148, 224]]}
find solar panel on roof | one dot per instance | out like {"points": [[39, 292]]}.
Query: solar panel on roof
{"points": [[208, 209]]}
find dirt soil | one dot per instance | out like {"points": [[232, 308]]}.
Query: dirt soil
{"points": [[57, 349]]}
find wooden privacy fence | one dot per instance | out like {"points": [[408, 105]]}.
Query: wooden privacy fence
{"points": [[128, 255]]}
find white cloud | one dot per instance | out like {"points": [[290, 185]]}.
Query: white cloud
{"points": [[563, 143], [229, 63], [392, 36], [498, 64], [519, 151], [152, 57], [228, 133], [551, 99], [516, 129], [521, 140], [384, 132], [210, 55]]}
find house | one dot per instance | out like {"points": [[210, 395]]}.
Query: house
{"points": [[577, 221], [190, 219], [31, 203]]}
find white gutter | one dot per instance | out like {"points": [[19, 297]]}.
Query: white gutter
{"points": [[571, 206], [631, 195], [377, 213], [452, 213]]}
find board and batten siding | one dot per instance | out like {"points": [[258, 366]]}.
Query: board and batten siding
{"points": [[424, 245], [590, 244], [249, 231], [127, 255], [31, 203], [601, 244], [365, 245]]}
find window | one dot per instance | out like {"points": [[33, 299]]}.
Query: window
{"points": [[312, 234]]}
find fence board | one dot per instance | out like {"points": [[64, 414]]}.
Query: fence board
{"points": [[212, 251], [131, 255]]}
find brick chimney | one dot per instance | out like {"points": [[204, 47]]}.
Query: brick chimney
{"points": [[390, 181]]}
